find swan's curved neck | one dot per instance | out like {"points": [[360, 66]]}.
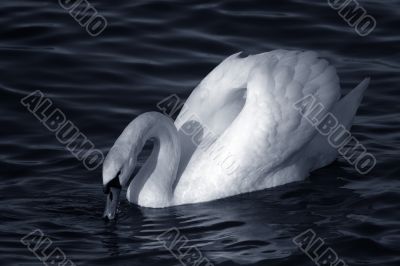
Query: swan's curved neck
{"points": [[153, 184]]}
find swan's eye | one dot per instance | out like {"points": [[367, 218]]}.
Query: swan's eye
{"points": [[113, 183]]}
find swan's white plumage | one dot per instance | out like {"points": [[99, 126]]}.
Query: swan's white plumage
{"points": [[267, 131], [251, 135]]}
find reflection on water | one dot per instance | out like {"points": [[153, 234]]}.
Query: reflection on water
{"points": [[150, 50]]}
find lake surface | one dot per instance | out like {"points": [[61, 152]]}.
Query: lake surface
{"points": [[152, 49]]}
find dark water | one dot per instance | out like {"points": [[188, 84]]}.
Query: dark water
{"points": [[149, 50]]}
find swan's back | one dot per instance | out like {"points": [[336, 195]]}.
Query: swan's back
{"points": [[294, 74]]}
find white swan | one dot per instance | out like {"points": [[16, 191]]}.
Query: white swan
{"points": [[238, 132]]}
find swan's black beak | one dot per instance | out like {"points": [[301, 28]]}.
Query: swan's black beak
{"points": [[112, 189], [112, 203]]}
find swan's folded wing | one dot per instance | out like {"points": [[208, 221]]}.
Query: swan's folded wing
{"points": [[270, 128], [266, 133]]}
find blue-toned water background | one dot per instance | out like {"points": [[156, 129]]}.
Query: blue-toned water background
{"points": [[150, 50]]}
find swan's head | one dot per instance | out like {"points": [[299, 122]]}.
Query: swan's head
{"points": [[121, 160], [116, 172]]}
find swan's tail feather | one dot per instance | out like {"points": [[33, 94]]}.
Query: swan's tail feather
{"points": [[344, 111]]}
